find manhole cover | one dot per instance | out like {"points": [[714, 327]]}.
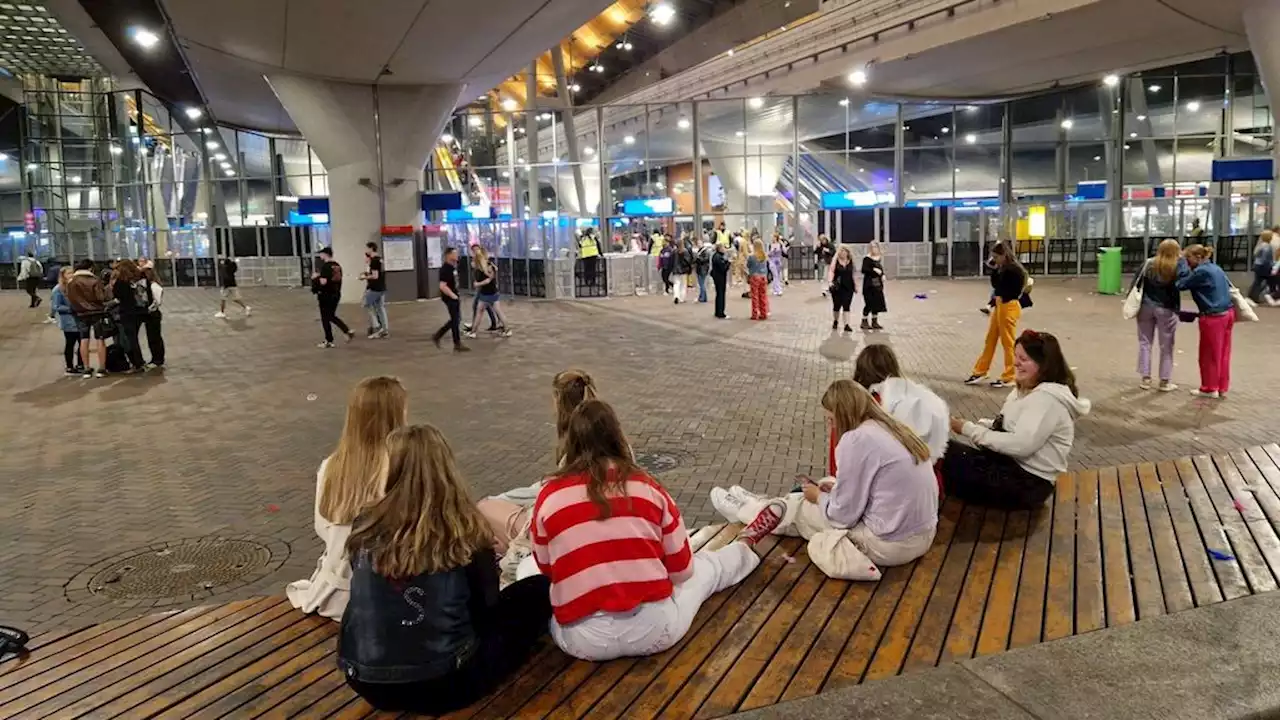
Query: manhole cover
{"points": [[659, 461], [179, 571]]}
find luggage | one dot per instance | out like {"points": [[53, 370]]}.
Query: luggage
{"points": [[117, 360]]}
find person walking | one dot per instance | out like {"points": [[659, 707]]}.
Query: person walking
{"points": [[702, 265], [842, 286], [227, 269], [449, 295], [1161, 303], [152, 317], [29, 273], [665, 252], [775, 255], [1008, 280], [60, 310], [720, 277], [823, 254], [873, 287], [1263, 260], [758, 268], [486, 286], [1211, 291], [475, 297], [681, 268], [375, 292], [326, 283]]}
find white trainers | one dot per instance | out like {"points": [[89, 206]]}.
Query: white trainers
{"points": [[726, 504], [248, 311], [1167, 387], [743, 494], [1208, 395], [220, 315]]}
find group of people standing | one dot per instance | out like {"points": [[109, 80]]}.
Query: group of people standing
{"points": [[836, 266], [90, 309]]}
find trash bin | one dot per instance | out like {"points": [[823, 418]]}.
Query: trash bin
{"points": [[1109, 281]]}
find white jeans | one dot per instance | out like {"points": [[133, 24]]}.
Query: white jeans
{"points": [[656, 626], [679, 281]]}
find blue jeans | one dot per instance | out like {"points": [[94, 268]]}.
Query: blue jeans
{"points": [[475, 302], [375, 303], [702, 288]]}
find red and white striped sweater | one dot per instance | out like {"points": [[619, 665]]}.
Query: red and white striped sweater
{"points": [[613, 564]]}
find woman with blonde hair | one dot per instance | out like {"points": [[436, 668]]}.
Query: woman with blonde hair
{"points": [[843, 287], [486, 286], [427, 630], [349, 480], [60, 310], [758, 269], [1161, 302], [880, 509]]}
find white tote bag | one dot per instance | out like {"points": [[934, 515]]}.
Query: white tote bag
{"points": [[1244, 311], [1132, 302]]}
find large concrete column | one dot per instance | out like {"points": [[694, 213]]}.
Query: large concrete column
{"points": [[754, 178], [373, 141], [1262, 24]]}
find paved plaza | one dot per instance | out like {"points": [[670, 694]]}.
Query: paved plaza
{"points": [[98, 476]]}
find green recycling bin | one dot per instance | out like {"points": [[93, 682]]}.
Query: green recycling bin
{"points": [[1109, 280]]}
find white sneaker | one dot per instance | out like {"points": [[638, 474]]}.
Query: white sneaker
{"points": [[1209, 395], [220, 315], [248, 311], [726, 504], [470, 334], [1270, 301], [1167, 387], [743, 494]]}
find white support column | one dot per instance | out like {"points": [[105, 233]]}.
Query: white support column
{"points": [[374, 146], [1262, 24]]}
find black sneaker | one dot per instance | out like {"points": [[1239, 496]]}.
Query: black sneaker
{"points": [[835, 324], [461, 348], [866, 324], [98, 374], [847, 328], [351, 336], [875, 325], [997, 384], [975, 379], [466, 327], [71, 371]]}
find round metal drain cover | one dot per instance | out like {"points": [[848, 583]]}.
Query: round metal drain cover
{"points": [[660, 461], [179, 571]]}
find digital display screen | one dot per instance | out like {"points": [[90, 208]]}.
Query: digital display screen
{"points": [[649, 206]]}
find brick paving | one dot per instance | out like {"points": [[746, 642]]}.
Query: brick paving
{"points": [[226, 442]]}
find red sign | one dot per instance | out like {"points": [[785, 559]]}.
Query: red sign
{"points": [[31, 222], [397, 229]]}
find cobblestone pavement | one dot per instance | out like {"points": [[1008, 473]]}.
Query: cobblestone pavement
{"points": [[226, 441]]}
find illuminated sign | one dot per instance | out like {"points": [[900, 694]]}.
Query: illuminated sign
{"points": [[649, 206], [854, 199], [1036, 223]]}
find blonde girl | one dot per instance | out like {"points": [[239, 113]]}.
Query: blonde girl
{"points": [[1161, 302], [485, 275], [758, 270], [350, 480]]}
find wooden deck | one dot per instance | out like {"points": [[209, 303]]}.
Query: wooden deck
{"points": [[1118, 545]]}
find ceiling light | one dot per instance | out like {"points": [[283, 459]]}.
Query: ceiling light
{"points": [[597, 67], [446, 138], [520, 130], [194, 113], [225, 165], [857, 148], [1096, 158], [32, 167], [1126, 146], [858, 78], [1067, 124], [144, 38], [475, 121], [1193, 106], [1133, 134], [641, 162], [588, 151], [207, 131], [1111, 80], [756, 103], [506, 173], [510, 105], [971, 108], [683, 123], [220, 157], [229, 173], [4, 156], [116, 149], [212, 145], [575, 87], [75, 179], [945, 129], [844, 102], [629, 140], [1153, 88], [662, 14], [971, 138], [1141, 118], [740, 133], [544, 116]]}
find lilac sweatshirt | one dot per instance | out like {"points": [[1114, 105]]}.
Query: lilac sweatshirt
{"points": [[880, 484]]}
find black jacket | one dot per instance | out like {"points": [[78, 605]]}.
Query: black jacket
{"points": [[1008, 282], [719, 267], [683, 262], [422, 628]]}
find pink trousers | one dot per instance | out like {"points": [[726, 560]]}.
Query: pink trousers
{"points": [[1215, 351]]}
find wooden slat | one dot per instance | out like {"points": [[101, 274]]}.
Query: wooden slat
{"points": [[1230, 576], [1115, 551], [724, 651], [1200, 578], [227, 676], [1090, 600], [65, 677], [332, 704], [96, 687], [544, 653], [67, 650], [741, 678], [356, 709], [662, 675], [703, 535], [884, 618], [290, 679], [1246, 549], [769, 687], [962, 637], [1173, 575], [1028, 611], [313, 696], [837, 632], [997, 618], [1250, 511], [1142, 556], [1262, 477], [1060, 594], [926, 647]]}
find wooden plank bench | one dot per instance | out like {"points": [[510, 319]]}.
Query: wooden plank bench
{"points": [[1117, 545]]}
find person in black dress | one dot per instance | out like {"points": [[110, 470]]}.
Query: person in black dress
{"points": [[842, 286], [873, 287]]}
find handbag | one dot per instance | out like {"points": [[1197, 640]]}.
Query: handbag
{"points": [[1243, 309], [1132, 301]]}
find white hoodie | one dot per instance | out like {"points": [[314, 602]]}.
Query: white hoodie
{"points": [[920, 409], [1039, 428]]}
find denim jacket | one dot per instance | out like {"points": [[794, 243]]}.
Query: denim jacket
{"points": [[60, 308], [1209, 288]]}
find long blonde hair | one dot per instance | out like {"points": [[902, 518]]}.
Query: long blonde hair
{"points": [[570, 388], [757, 249], [64, 274], [480, 258], [426, 521], [355, 472], [844, 251], [851, 405], [1165, 263], [874, 250]]}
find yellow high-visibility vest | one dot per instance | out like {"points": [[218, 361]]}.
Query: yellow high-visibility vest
{"points": [[587, 247], [658, 242]]}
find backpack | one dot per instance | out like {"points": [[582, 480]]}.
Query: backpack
{"points": [[142, 294], [117, 360]]}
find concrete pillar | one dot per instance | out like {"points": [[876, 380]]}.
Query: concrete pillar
{"points": [[1262, 24], [374, 142], [754, 178]]}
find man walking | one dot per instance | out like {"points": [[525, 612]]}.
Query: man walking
{"points": [[449, 294], [326, 283], [720, 277], [227, 268], [29, 274], [375, 292]]}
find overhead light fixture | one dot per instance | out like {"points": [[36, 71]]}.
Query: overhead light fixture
{"points": [[116, 150], [971, 138], [662, 14], [588, 151], [844, 102], [1111, 80], [575, 87], [1096, 158], [597, 67], [1193, 106], [225, 165], [945, 129], [194, 113], [1068, 123], [220, 157], [286, 199], [1133, 134], [207, 131], [32, 167], [144, 38], [545, 116], [75, 179], [446, 138], [506, 173], [858, 78], [629, 140], [1154, 88], [475, 121], [510, 105], [971, 108], [756, 103], [683, 123], [1140, 118], [520, 130], [857, 148], [741, 133], [1126, 146], [641, 162], [212, 145]]}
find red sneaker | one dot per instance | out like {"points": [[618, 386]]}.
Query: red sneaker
{"points": [[767, 520]]}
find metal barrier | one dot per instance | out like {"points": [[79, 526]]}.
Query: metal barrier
{"points": [[801, 263], [590, 277]]}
